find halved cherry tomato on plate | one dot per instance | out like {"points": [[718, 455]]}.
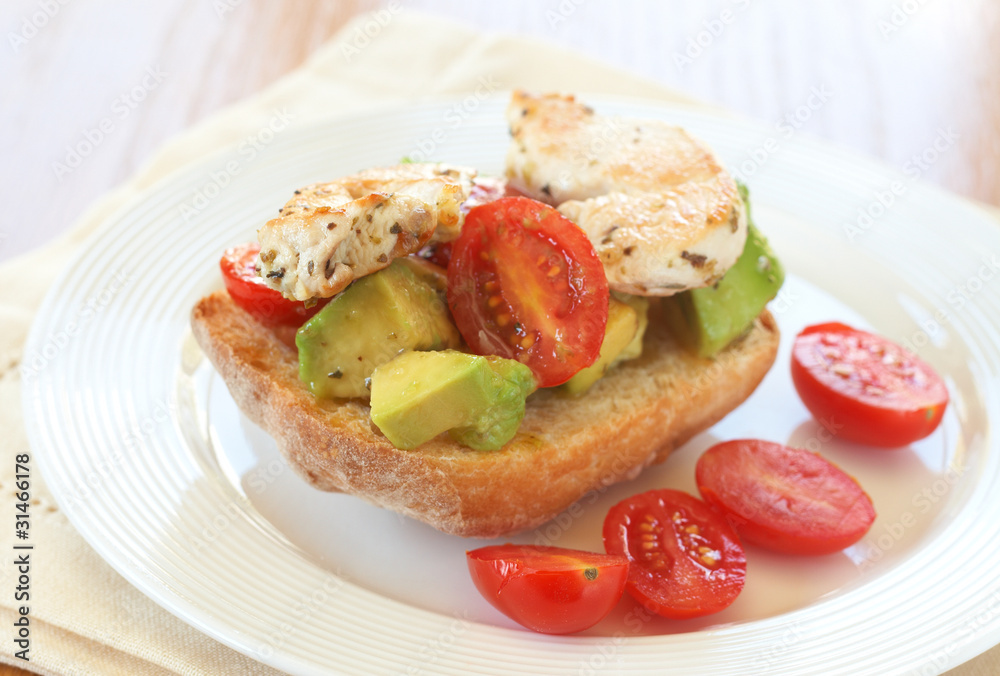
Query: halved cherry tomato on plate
{"points": [[865, 388], [249, 291], [549, 589], [525, 283], [686, 560], [784, 499]]}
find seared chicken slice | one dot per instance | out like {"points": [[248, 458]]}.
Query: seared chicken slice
{"points": [[661, 211], [332, 233]]}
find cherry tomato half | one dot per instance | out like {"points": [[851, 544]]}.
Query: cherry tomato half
{"points": [[525, 283], [549, 589], [686, 561], [865, 388], [784, 499], [249, 291]]}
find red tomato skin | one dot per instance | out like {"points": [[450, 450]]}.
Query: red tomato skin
{"points": [[438, 253], [684, 586], [784, 499], [546, 589], [249, 291], [549, 288], [902, 412], [827, 327], [485, 189]]}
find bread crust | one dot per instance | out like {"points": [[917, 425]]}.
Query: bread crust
{"points": [[566, 446]]}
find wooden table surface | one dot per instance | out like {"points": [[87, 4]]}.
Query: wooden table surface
{"points": [[92, 88]]}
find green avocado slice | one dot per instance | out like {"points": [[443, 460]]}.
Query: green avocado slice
{"points": [[710, 318]]}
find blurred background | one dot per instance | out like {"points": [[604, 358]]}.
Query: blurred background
{"points": [[915, 83]]}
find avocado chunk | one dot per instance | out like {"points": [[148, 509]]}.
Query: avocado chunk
{"points": [[479, 400], [370, 322], [710, 318], [622, 328], [641, 306]]}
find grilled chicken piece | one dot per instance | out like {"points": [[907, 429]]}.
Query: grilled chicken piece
{"points": [[661, 212], [332, 233]]}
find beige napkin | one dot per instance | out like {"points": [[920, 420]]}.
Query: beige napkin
{"points": [[86, 619]]}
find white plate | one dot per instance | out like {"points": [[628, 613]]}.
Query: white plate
{"points": [[148, 456]]}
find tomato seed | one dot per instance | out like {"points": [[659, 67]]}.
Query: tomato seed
{"points": [[843, 370]]}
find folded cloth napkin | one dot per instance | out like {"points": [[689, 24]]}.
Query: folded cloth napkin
{"points": [[85, 618]]}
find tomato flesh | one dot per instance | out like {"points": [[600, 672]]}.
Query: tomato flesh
{"points": [[686, 561], [249, 291], [865, 388], [484, 189], [549, 589], [784, 499], [827, 327], [525, 283], [438, 253]]}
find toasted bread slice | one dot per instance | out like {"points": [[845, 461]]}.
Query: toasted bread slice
{"points": [[566, 446]]}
